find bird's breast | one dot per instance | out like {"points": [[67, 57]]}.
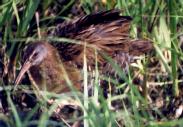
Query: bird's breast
{"points": [[50, 77]]}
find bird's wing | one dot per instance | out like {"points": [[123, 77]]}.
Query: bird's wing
{"points": [[72, 28], [108, 31]]}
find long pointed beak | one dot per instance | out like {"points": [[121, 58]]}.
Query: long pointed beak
{"points": [[23, 70]]}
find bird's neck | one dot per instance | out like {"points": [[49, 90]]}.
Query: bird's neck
{"points": [[52, 76]]}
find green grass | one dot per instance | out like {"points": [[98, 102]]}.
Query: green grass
{"points": [[159, 21]]}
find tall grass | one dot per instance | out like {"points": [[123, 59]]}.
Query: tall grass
{"points": [[158, 21]]}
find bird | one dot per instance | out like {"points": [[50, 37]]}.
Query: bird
{"points": [[46, 68], [107, 32]]}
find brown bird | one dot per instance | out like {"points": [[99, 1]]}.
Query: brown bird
{"points": [[107, 31], [46, 68]]}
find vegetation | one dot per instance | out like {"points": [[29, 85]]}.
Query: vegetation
{"points": [[151, 94]]}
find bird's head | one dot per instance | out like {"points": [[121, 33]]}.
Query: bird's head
{"points": [[33, 55]]}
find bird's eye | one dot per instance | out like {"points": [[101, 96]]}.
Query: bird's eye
{"points": [[35, 54]]}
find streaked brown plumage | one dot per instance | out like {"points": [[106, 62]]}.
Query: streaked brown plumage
{"points": [[107, 31]]}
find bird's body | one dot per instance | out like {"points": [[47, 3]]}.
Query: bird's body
{"points": [[107, 31]]}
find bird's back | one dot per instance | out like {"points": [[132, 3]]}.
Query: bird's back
{"points": [[108, 31]]}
